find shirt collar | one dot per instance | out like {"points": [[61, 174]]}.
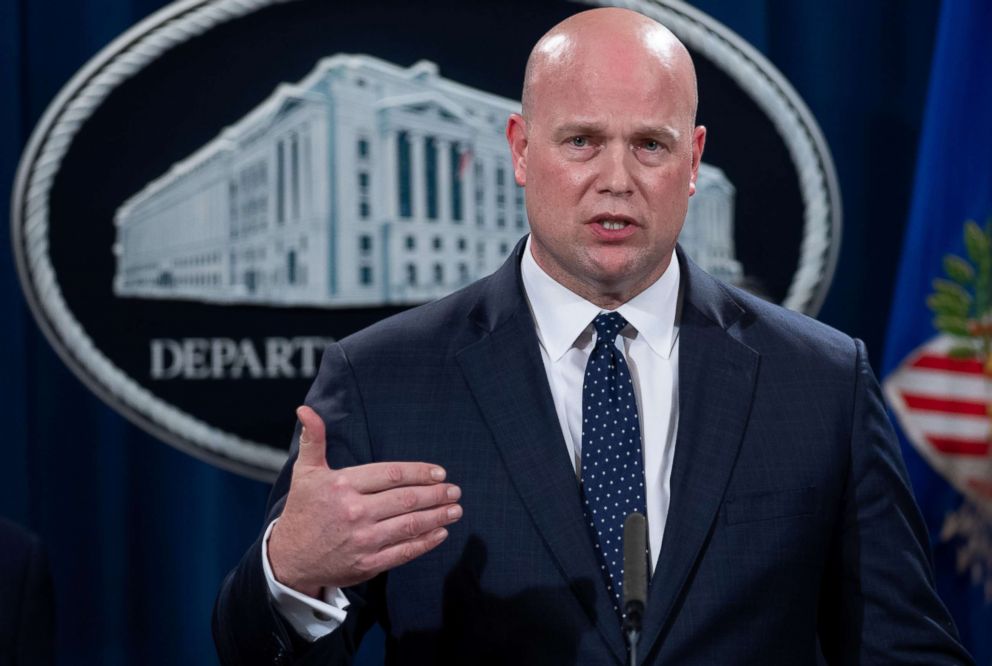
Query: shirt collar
{"points": [[561, 315]]}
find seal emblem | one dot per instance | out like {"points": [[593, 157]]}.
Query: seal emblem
{"points": [[190, 235]]}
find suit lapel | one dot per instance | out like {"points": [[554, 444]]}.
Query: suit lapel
{"points": [[716, 378], [506, 375]]}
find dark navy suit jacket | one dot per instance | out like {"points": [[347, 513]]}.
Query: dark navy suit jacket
{"points": [[791, 520]]}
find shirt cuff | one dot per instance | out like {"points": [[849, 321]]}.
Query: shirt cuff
{"points": [[310, 618]]}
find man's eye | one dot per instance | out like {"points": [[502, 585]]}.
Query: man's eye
{"points": [[579, 141], [651, 144]]}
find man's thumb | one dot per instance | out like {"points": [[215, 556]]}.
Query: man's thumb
{"points": [[313, 443]]}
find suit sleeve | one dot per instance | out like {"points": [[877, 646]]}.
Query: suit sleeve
{"points": [[879, 603], [247, 628]]}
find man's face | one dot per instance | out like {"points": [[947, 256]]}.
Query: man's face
{"points": [[609, 156]]}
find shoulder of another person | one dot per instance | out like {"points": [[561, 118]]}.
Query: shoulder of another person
{"points": [[16, 544]]}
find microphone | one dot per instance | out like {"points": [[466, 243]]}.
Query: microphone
{"points": [[635, 579]]}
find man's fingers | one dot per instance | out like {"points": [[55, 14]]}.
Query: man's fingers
{"points": [[399, 501], [376, 477], [399, 529], [313, 442], [401, 553]]}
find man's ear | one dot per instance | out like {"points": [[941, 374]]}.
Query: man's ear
{"points": [[698, 143], [516, 136]]}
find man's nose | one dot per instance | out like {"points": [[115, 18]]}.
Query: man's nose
{"points": [[615, 175]]}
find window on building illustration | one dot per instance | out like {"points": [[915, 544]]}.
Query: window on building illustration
{"points": [[365, 243], [411, 242], [364, 207], [365, 275], [500, 196], [462, 274], [458, 162], [480, 193], [294, 175], [480, 249], [430, 176], [291, 267], [438, 243], [280, 183], [363, 148], [232, 198], [438, 274], [405, 188], [411, 275], [462, 243], [478, 176], [504, 248]]}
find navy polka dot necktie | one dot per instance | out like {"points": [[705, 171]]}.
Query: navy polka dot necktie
{"points": [[612, 467]]}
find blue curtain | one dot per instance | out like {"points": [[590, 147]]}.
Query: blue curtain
{"points": [[140, 534]]}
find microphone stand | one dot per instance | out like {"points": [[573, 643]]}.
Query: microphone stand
{"points": [[633, 614], [635, 580]]}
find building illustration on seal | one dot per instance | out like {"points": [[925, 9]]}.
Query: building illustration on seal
{"points": [[365, 184]]}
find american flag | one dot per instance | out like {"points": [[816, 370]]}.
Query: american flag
{"points": [[944, 406]]}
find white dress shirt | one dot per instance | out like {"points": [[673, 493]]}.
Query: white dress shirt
{"points": [[566, 335], [650, 344]]}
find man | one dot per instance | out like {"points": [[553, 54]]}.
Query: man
{"points": [[778, 510]]}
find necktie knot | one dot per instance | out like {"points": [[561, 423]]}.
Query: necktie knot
{"points": [[608, 326]]}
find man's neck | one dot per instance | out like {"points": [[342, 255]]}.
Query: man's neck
{"points": [[604, 295]]}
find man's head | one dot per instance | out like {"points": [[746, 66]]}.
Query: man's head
{"points": [[608, 151]]}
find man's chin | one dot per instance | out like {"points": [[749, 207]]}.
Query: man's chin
{"points": [[618, 272], [616, 265]]}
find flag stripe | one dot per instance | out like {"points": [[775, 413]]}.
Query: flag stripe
{"points": [[933, 362], [944, 384], [948, 425], [959, 446], [932, 404]]}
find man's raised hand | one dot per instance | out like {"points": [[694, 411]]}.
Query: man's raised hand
{"points": [[341, 527]]}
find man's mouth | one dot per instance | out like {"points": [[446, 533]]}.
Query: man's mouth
{"points": [[614, 225], [613, 222]]}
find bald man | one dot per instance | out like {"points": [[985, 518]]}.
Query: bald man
{"points": [[460, 475]]}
